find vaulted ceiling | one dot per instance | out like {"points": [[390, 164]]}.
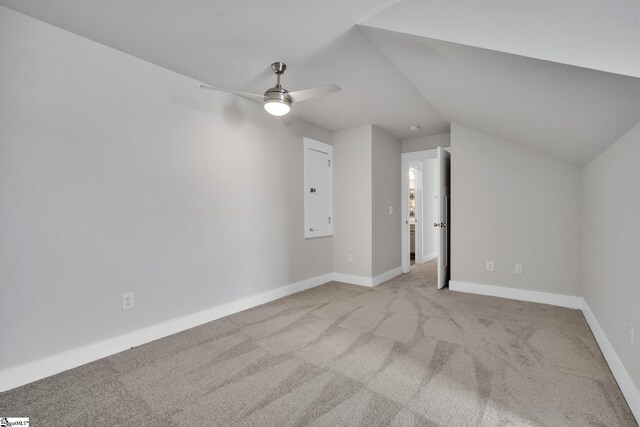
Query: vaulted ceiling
{"points": [[567, 112], [558, 77]]}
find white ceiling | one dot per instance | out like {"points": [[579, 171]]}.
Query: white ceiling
{"points": [[598, 34], [374, 90], [392, 79], [559, 110], [230, 44]]}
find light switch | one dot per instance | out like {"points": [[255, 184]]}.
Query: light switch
{"points": [[390, 210]]}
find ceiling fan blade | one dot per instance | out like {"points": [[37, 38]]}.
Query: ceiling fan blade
{"points": [[235, 92], [304, 94]]}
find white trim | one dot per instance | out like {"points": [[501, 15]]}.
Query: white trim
{"points": [[312, 144], [59, 362], [353, 279], [387, 275], [369, 282], [628, 388], [568, 301], [420, 155], [418, 166], [624, 380], [405, 233], [429, 257]]}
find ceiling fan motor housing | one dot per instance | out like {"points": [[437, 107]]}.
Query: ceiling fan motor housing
{"points": [[277, 94], [277, 101]]}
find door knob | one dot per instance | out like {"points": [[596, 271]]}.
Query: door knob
{"points": [[313, 190], [435, 224]]}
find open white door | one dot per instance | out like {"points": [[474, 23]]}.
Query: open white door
{"points": [[444, 204]]}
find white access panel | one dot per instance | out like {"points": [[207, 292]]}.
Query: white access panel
{"points": [[318, 188], [319, 213]]}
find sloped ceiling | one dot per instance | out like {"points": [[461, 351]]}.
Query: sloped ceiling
{"points": [[374, 90], [230, 44], [506, 76], [597, 34], [563, 111]]}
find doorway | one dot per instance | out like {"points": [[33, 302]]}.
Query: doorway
{"points": [[416, 232], [425, 210]]}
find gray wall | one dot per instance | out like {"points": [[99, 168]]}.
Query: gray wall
{"points": [[426, 142], [352, 230], [611, 244], [119, 176], [366, 183], [386, 189], [510, 206]]}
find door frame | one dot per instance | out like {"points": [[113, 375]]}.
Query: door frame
{"points": [[418, 167], [405, 158], [321, 147]]}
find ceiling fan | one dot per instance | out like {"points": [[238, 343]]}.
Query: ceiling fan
{"points": [[277, 100]]}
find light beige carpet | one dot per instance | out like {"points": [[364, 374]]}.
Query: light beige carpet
{"points": [[401, 354]]}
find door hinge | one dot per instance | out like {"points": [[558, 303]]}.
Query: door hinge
{"points": [[329, 220], [329, 163]]}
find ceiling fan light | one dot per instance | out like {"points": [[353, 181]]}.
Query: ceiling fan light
{"points": [[277, 107]]}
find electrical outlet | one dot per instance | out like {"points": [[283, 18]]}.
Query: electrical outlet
{"points": [[489, 265], [349, 258], [127, 301], [519, 269], [630, 326]]}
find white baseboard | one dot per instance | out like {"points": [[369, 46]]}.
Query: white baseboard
{"points": [[387, 275], [628, 388], [51, 365], [353, 279], [429, 257], [369, 282], [59, 362], [568, 301]]}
